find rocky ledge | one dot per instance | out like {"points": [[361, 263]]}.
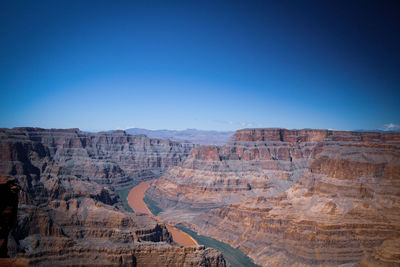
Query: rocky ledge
{"points": [[292, 197], [8, 210], [68, 211]]}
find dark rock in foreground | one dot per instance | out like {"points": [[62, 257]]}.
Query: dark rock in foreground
{"points": [[8, 210], [69, 213]]}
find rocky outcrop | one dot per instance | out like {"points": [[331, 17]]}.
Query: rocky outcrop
{"points": [[87, 234], [8, 210], [173, 256], [116, 158], [387, 255], [159, 254], [69, 213], [292, 197]]}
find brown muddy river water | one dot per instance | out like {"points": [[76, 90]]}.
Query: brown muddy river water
{"points": [[135, 201]]}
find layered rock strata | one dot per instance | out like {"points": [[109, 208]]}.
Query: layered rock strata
{"points": [[386, 255], [173, 256], [292, 197], [116, 158], [69, 213]]}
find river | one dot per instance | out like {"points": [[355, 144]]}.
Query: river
{"points": [[135, 201], [183, 236]]}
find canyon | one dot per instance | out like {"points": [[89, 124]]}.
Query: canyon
{"points": [[69, 212], [135, 200], [283, 197], [292, 197]]}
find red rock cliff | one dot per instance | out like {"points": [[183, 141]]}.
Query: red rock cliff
{"points": [[292, 197], [69, 212]]}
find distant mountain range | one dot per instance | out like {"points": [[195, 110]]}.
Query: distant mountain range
{"points": [[386, 128], [378, 131], [190, 135], [202, 137]]}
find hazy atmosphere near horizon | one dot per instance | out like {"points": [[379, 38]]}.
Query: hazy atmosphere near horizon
{"points": [[212, 65], [163, 133]]}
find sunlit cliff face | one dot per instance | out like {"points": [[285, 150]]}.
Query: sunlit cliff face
{"points": [[305, 196], [69, 211]]}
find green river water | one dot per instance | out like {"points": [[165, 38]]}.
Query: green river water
{"points": [[234, 256]]}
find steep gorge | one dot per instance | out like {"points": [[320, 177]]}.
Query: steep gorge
{"points": [[68, 211], [292, 197]]}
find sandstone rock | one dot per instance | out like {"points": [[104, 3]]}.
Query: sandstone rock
{"points": [[159, 254], [388, 254], [69, 213], [173, 256], [292, 197]]}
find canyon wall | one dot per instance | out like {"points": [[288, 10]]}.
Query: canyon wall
{"points": [[68, 211], [292, 197], [116, 158], [8, 210]]}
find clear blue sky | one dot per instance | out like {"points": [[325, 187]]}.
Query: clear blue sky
{"points": [[102, 65]]}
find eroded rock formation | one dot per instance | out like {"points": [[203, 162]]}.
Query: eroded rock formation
{"points": [[292, 197], [69, 213], [8, 210], [173, 256]]}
